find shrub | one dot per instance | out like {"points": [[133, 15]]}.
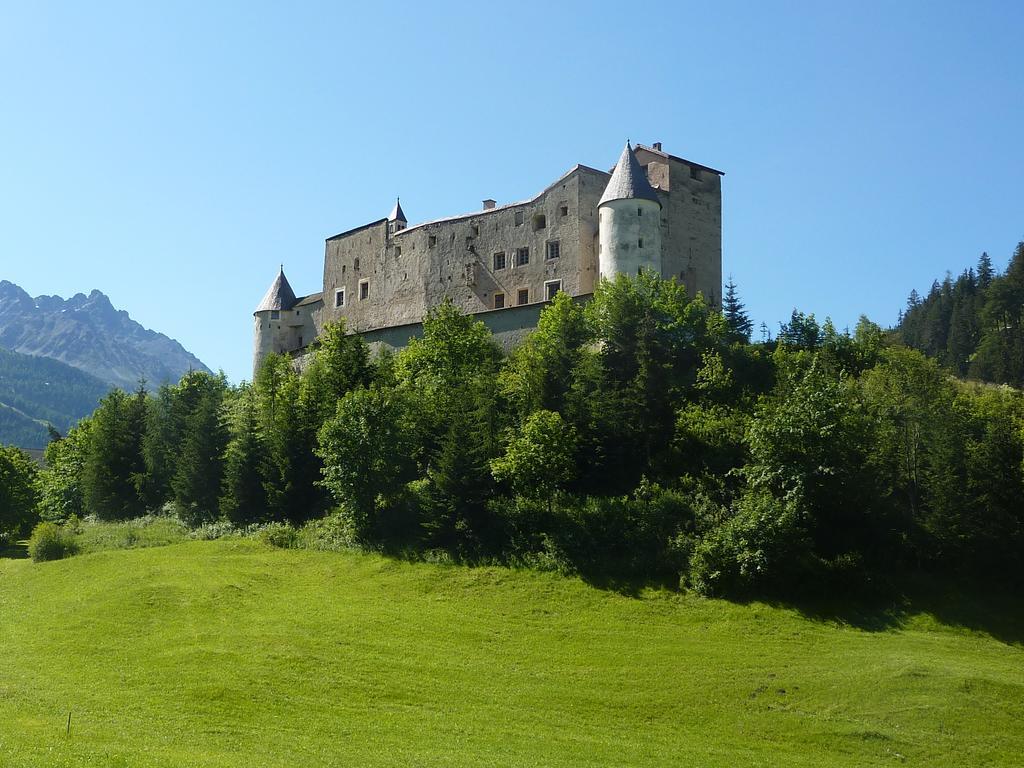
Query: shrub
{"points": [[279, 535], [50, 542], [762, 546], [333, 533]]}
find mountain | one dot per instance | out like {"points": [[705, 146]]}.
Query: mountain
{"points": [[88, 333], [37, 391]]}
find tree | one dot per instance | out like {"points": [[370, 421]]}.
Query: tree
{"points": [[18, 492], [114, 466], [340, 364], [736, 318], [60, 480], [985, 270], [244, 498], [199, 467], [540, 461], [366, 450], [539, 373]]}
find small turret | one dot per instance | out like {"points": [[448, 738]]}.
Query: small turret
{"points": [[267, 336], [629, 234], [396, 219]]}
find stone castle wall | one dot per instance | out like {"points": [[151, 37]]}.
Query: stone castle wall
{"points": [[391, 280]]}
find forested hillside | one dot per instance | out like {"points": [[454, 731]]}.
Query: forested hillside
{"points": [[37, 391], [640, 437], [974, 324]]}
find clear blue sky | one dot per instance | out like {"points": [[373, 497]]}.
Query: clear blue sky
{"points": [[173, 154]]}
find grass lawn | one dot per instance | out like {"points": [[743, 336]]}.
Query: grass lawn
{"points": [[229, 653]]}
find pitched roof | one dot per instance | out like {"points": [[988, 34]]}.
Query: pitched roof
{"points": [[280, 295], [628, 181], [313, 298], [396, 213]]}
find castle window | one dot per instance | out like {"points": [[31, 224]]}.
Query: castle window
{"points": [[639, 211], [300, 341], [499, 261], [540, 221], [432, 241], [552, 287], [564, 210], [499, 301], [364, 289], [519, 218], [357, 263], [523, 296], [339, 297], [275, 314], [343, 268], [398, 250], [694, 173], [476, 230], [640, 243], [553, 249], [522, 256]]}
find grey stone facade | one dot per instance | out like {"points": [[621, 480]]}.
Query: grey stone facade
{"points": [[386, 275]]}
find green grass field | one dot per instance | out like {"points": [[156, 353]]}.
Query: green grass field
{"points": [[229, 653]]}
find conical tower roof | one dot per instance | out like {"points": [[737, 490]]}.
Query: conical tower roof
{"points": [[280, 295], [397, 214], [628, 181]]}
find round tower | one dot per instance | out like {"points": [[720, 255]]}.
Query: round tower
{"points": [[629, 232], [268, 334]]}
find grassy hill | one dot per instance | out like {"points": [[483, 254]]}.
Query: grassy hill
{"points": [[229, 653]]}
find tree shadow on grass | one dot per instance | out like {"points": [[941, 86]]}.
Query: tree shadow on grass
{"points": [[14, 550], [994, 610]]}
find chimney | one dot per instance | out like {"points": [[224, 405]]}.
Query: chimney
{"points": [[657, 145], [489, 204]]}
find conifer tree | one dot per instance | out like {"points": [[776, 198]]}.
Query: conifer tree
{"points": [[114, 466], [985, 270], [736, 317], [244, 499], [199, 467]]}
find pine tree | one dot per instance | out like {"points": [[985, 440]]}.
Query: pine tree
{"points": [[200, 462], [114, 466], [985, 271], [736, 318], [244, 499]]}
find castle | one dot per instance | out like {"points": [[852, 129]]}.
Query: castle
{"points": [[503, 263]]}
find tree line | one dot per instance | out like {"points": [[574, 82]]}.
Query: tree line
{"points": [[973, 325], [638, 436]]}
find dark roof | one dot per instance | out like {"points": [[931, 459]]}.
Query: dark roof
{"points": [[654, 151], [397, 214], [628, 181], [279, 296], [313, 298], [357, 229]]}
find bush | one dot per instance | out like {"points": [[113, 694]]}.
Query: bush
{"points": [[50, 542], [761, 547], [280, 535], [334, 533]]}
